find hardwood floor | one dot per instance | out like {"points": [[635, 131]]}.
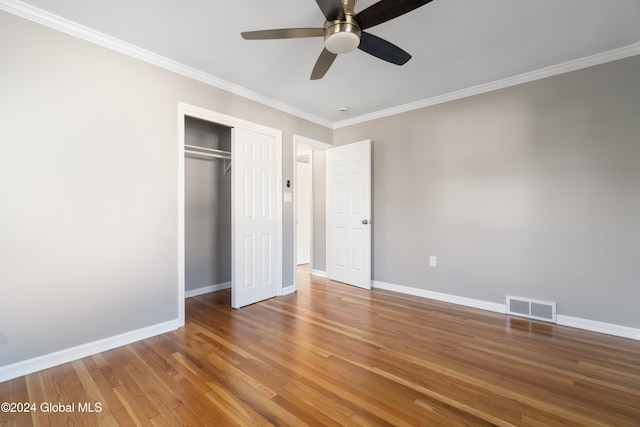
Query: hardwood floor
{"points": [[332, 354]]}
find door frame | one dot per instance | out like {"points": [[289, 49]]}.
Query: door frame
{"points": [[187, 110], [319, 145]]}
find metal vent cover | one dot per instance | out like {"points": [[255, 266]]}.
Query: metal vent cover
{"points": [[532, 309]]}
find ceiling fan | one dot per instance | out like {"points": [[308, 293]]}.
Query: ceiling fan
{"points": [[343, 31]]}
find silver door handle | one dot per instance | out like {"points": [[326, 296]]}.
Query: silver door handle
{"points": [[365, 222]]}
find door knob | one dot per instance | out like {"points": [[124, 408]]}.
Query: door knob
{"points": [[365, 222]]}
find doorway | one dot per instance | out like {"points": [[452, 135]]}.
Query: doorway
{"points": [[303, 207], [256, 206], [309, 154], [207, 207]]}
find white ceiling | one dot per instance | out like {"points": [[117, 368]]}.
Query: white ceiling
{"points": [[456, 44]]}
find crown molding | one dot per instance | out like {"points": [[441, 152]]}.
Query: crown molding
{"points": [[56, 22], [554, 70], [64, 25]]}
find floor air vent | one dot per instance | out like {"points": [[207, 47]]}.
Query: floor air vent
{"points": [[533, 309]]}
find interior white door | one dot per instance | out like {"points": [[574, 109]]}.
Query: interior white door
{"points": [[256, 227], [303, 210], [349, 214]]}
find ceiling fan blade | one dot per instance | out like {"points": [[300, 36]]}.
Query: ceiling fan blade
{"points": [[323, 63], [332, 9], [283, 33], [380, 48], [386, 10]]}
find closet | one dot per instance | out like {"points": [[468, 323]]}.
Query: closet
{"points": [[207, 175]]}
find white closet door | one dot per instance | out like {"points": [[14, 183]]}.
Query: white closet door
{"points": [[256, 222]]}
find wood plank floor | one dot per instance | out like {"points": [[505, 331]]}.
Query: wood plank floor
{"points": [[332, 354]]}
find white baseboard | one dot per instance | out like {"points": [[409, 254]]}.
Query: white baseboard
{"points": [[319, 273], [467, 302], [603, 328], [227, 285], [288, 290], [206, 289], [574, 322], [36, 364]]}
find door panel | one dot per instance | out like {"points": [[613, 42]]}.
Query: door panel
{"points": [[303, 211], [256, 231], [349, 214]]}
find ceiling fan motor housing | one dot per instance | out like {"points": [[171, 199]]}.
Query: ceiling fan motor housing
{"points": [[341, 36]]}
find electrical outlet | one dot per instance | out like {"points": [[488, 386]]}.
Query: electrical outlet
{"points": [[432, 261]]}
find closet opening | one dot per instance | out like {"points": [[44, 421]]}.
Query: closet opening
{"points": [[229, 208], [207, 206]]}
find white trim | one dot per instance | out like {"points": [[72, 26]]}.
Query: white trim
{"points": [[311, 142], [279, 208], [467, 302], [182, 113], [562, 320], [207, 289], [601, 327], [294, 197], [565, 67], [46, 361], [226, 120], [85, 33], [185, 110], [318, 273], [288, 290]]}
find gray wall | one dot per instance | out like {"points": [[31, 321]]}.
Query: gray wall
{"points": [[207, 208], [532, 190], [88, 188]]}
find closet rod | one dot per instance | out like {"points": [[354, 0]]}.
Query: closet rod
{"points": [[211, 150], [214, 155]]}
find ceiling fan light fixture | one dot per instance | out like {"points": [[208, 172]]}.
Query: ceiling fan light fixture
{"points": [[342, 42], [341, 37]]}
